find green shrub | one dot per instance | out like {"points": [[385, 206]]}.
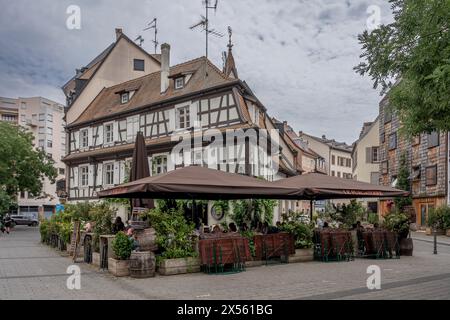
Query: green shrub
{"points": [[373, 218], [439, 217], [174, 235], [102, 214], [44, 227], [249, 234], [397, 222], [302, 232], [122, 246]]}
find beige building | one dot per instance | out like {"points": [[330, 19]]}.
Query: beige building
{"points": [[366, 158], [336, 155], [44, 118]]}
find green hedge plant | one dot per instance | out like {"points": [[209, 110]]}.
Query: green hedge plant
{"points": [[122, 246]]}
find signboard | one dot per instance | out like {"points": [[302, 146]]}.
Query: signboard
{"points": [[75, 240]]}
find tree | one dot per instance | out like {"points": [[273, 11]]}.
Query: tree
{"points": [[403, 184], [410, 58], [22, 168]]}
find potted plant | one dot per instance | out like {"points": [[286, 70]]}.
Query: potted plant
{"points": [[436, 220], [303, 235], [175, 241], [122, 247], [400, 224], [102, 216]]}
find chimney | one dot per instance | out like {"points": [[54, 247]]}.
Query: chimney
{"points": [[165, 66], [119, 32], [324, 137]]}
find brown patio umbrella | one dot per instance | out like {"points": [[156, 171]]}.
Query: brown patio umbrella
{"points": [[200, 183], [316, 186], [140, 170]]}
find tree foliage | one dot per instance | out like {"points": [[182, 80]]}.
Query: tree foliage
{"points": [[411, 58], [22, 168], [403, 183]]}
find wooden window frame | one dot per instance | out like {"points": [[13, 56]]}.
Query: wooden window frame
{"points": [[434, 179]]}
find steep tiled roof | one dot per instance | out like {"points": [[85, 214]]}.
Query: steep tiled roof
{"points": [[148, 90], [332, 143]]}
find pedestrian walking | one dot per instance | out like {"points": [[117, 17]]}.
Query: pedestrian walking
{"points": [[8, 223]]}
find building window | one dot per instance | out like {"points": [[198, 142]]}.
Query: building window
{"points": [[84, 176], [179, 83], [348, 163], [109, 133], [124, 97], [49, 117], [433, 139], [41, 143], [333, 160], [383, 138], [159, 165], [415, 140], [385, 167], [139, 65], [109, 173], [42, 117], [431, 173], [183, 118], [49, 131], [338, 174], [387, 115], [375, 178], [84, 138], [393, 141], [41, 130], [62, 171], [333, 173], [375, 154], [49, 144]]}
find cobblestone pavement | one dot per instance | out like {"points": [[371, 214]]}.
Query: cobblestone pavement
{"points": [[30, 270]]}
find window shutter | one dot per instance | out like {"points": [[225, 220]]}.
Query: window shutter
{"points": [[193, 113], [91, 176], [368, 155], [122, 172], [75, 177], [99, 174], [90, 140], [77, 140], [115, 132], [172, 117], [116, 172]]}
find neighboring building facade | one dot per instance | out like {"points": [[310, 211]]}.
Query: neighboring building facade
{"points": [[9, 110], [337, 155], [427, 161], [45, 119], [190, 100], [366, 159]]}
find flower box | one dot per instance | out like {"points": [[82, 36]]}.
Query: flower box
{"points": [[302, 255], [168, 267], [119, 268]]}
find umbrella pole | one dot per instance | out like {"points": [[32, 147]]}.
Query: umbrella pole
{"points": [[310, 210]]}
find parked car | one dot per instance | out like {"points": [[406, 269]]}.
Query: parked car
{"points": [[25, 221]]}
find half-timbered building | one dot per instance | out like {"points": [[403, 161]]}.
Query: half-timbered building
{"points": [[193, 99]]}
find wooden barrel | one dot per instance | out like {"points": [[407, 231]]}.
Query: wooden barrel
{"points": [[147, 239], [406, 247], [142, 264]]}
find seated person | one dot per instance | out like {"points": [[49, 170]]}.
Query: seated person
{"points": [[325, 226], [133, 238], [118, 226], [232, 227]]}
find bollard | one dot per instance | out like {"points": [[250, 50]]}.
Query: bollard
{"points": [[435, 242]]}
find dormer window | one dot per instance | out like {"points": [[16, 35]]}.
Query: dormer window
{"points": [[125, 97], [179, 83]]}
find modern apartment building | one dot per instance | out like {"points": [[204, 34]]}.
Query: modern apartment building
{"points": [[427, 161], [45, 119], [366, 159]]}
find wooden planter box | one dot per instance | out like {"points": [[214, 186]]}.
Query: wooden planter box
{"points": [[302, 255], [96, 259], [273, 245], [439, 232], [168, 267], [253, 263], [119, 268]]}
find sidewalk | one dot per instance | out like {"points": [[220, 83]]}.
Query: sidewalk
{"points": [[421, 236]]}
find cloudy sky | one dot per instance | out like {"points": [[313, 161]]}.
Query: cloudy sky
{"points": [[296, 55]]}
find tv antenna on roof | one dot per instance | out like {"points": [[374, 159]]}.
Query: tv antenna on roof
{"points": [[152, 25], [140, 39], [204, 22]]}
